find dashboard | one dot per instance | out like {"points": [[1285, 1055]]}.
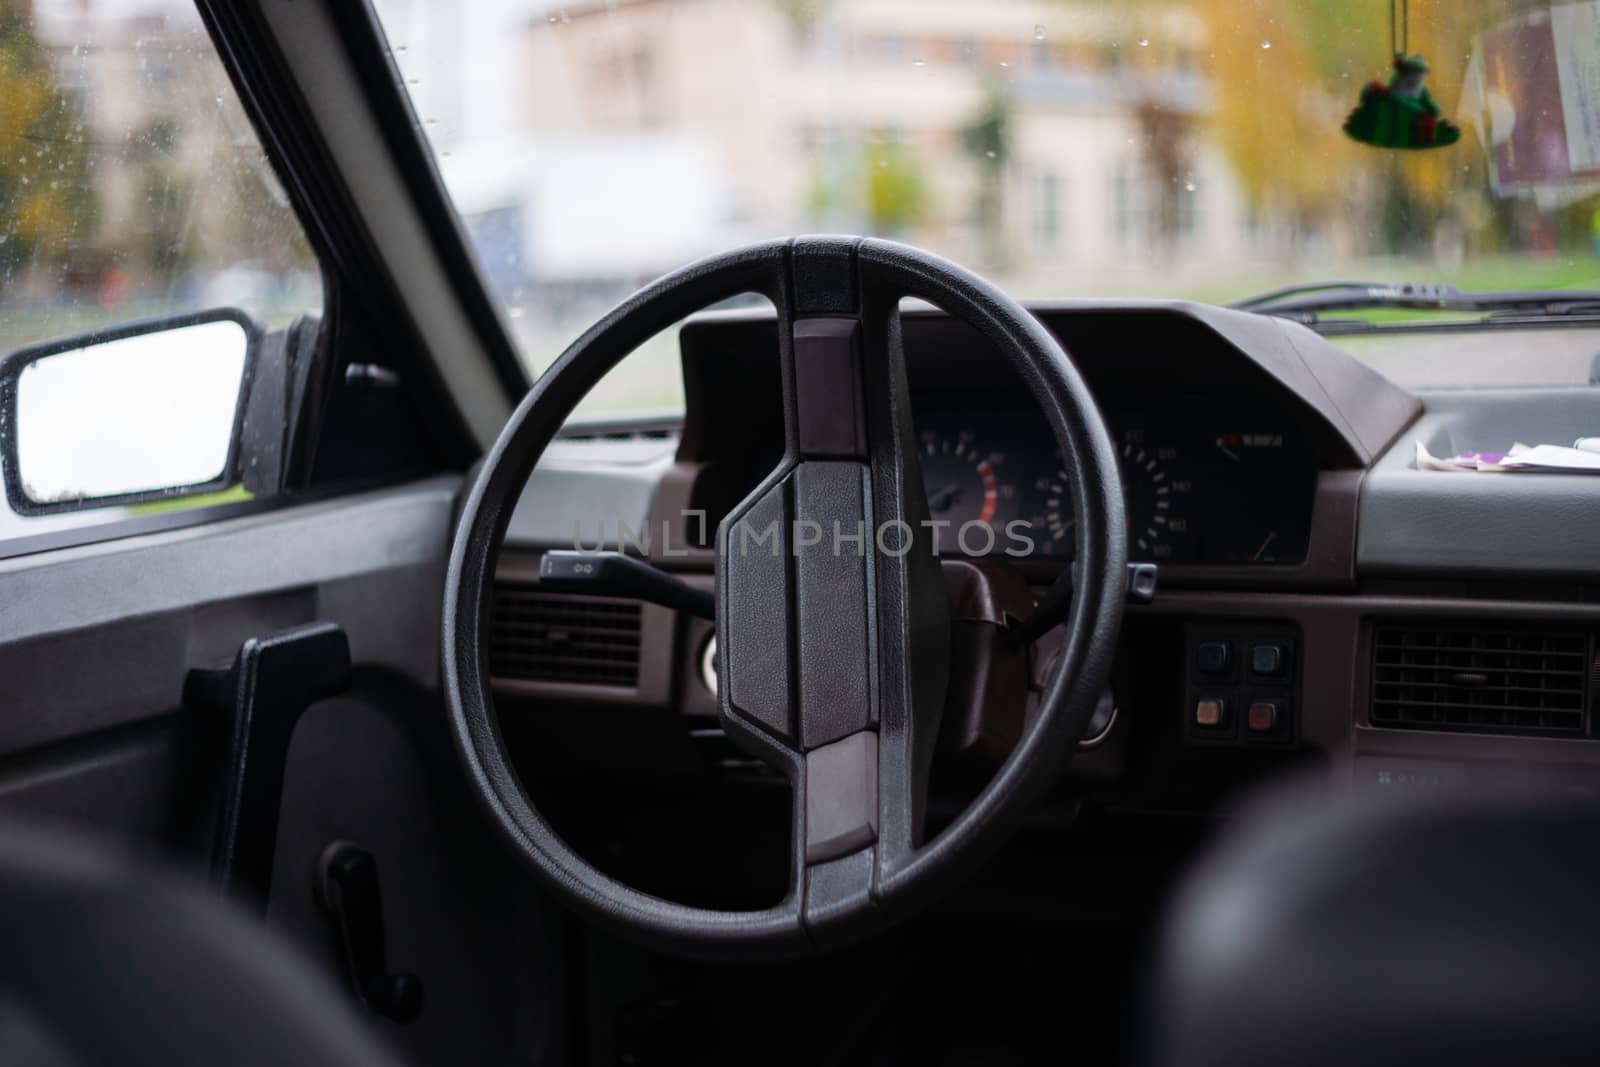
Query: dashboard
{"points": [[1201, 485], [1322, 602], [1324, 608]]}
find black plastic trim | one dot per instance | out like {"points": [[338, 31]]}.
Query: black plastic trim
{"points": [[361, 33], [355, 277]]}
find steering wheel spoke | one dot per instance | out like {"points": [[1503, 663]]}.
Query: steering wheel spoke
{"points": [[833, 612]]}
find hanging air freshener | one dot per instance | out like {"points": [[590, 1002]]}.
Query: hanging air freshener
{"points": [[1402, 114]]}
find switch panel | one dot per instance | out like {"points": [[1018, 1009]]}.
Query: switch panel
{"points": [[1240, 684]]}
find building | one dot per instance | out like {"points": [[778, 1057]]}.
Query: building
{"points": [[1106, 163], [180, 193]]}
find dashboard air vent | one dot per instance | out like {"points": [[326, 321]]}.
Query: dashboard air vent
{"points": [[551, 637], [1480, 680]]}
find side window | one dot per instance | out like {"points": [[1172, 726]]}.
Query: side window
{"points": [[147, 252]]}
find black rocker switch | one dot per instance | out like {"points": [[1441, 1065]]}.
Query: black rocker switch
{"points": [[1269, 659], [1213, 657]]}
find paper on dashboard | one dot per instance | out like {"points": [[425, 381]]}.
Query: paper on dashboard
{"points": [[1531, 459], [1470, 462], [1552, 458]]}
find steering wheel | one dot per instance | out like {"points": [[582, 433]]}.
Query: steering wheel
{"points": [[832, 615]]}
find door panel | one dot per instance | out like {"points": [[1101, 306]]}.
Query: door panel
{"points": [[95, 645], [103, 636], [121, 781], [376, 768], [95, 642]]}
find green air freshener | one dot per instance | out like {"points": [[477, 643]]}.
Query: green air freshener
{"points": [[1401, 114]]}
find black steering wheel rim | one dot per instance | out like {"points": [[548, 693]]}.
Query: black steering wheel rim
{"points": [[902, 880]]}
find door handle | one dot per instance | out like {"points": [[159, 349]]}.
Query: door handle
{"points": [[347, 882]]}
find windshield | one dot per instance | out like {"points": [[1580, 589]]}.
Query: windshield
{"points": [[1205, 149]]}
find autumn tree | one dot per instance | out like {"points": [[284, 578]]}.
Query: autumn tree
{"points": [[1285, 73], [46, 200]]}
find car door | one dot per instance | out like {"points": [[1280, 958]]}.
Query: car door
{"points": [[232, 466]]}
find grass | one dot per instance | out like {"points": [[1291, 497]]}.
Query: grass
{"points": [[230, 495], [1495, 274], [1490, 273]]}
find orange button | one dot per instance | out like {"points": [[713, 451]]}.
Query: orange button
{"points": [[1210, 711]]}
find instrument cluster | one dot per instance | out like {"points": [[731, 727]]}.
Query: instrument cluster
{"points": [[1200, 486]]}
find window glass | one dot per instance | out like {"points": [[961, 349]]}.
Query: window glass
{"points": [[132, 186], [1199, 149]]}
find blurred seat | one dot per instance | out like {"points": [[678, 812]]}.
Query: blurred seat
{"points": [[1387, 929], [104, 961]]}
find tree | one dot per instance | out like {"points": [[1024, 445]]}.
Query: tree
{"points": [[987, 139], [803, 16], [896, 191], [46, 200], [1284, 74], [1166, 138], [883, 187]]}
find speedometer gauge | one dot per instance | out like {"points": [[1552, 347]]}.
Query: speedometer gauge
{"points": [[1156, 488], [1052, 521], [964, 481], [1156, 483]]}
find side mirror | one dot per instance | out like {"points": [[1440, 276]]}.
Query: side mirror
{"points": [[143, 411]]}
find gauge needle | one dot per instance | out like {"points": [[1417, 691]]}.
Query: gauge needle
{"points": [[1264, 545], [944, 499]]}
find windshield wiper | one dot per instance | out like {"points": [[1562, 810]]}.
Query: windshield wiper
{"points": [[1305, 303]]}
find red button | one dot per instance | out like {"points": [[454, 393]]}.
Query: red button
{"points": [[1262, 717]]}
